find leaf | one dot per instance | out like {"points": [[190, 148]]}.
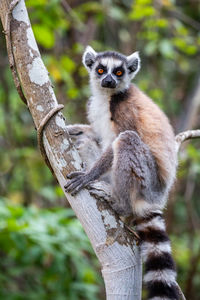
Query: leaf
{"points": [[185, 46], [116, 13], [140, 12], [72, 93], [48, 192], [150, 48], [68, 64], [44, 36], [59, 192], [166, 48], [33, 3]]}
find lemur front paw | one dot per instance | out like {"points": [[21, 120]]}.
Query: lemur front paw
{"points": [[77, 181]]}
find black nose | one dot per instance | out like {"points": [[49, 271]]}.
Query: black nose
{"points": [[108, 82]]}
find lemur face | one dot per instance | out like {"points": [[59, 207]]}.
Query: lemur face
{"points": [[111, 70]]}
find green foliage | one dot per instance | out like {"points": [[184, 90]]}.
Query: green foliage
{"points": [[44, 255], [44, 35], [166, 36], [142, 9]]}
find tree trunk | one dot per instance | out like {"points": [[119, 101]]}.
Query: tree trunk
{"points": [[112, 243]]}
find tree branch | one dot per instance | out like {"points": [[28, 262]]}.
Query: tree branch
{"points": [[186, 135]]}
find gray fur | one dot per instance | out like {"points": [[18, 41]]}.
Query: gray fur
{"points": [[110, 60], [133, 169], [134, 176], [78, 180], [86, 142], [136, 186], [89, 58]]}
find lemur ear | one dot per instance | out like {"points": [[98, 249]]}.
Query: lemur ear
{"points": [[89, 57], [133, 62]]}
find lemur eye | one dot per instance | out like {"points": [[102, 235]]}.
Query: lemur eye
{"points": [[119, 73], [100, 71]]}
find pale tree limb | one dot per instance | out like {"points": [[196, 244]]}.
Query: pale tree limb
{"points": [[186, 135], [113, 244]]}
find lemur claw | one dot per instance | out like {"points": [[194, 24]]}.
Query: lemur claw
{"points": [[77, 180], [74, 174]]}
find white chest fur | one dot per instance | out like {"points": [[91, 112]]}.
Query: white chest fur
{"points": [[99, 116]]}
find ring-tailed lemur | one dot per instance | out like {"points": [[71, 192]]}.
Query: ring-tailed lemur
{"points": [[138, 145]]}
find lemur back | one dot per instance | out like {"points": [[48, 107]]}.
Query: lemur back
{"points": [[138, 146]]}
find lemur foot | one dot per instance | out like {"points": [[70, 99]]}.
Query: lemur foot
{"points": [[100, 189], [77, 181]]}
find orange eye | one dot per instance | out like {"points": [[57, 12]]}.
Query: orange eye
{"points": [[119, 73], [100, 71]]}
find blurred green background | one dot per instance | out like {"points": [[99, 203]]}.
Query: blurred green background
{"points": [[44, 252]]}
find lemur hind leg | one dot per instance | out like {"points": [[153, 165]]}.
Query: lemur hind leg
{"points": [[86, 143], [135, 179]]}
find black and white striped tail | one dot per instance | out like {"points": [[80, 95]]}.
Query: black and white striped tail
{"points": [[160, 271]]}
